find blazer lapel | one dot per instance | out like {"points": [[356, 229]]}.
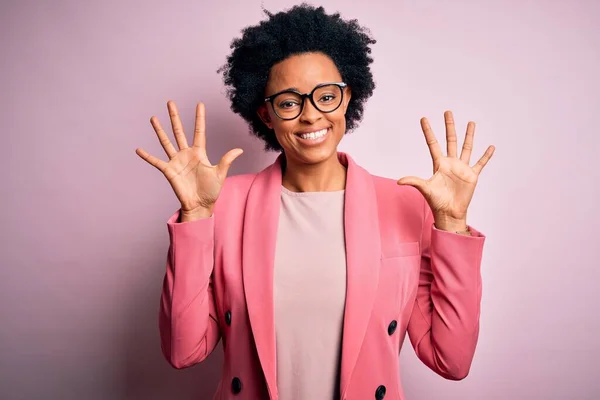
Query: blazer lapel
{"points": [[363, 253], [261, 220]]}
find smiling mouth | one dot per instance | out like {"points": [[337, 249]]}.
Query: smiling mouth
{"points": [[313, 135]]}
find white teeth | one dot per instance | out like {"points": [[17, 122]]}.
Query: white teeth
{"points": [[314, 135]]}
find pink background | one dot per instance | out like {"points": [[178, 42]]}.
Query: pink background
{"points": [[83, 219]]}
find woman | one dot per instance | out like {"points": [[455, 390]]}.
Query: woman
{"points": [[313, 270]]}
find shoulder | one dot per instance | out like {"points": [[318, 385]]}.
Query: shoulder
{"points": [[238, 182], [393, 200], [387, 191], [398, 202], [235, 190], [389, 188]]}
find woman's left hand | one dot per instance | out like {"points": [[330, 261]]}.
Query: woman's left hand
{"points": [[450, 190]]}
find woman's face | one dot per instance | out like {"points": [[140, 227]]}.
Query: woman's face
{"points": [[303, 73]]}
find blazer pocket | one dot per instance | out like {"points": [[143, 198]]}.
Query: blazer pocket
{"points": [[402, 249], [399, 275]]}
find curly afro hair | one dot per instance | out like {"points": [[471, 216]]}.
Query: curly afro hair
{"points": [[301, 29]]}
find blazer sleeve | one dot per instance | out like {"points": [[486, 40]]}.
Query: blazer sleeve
{"points": [[444, 324], [188, 325]]}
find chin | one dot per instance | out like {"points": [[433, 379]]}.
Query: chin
{"points": [[317, 154]]}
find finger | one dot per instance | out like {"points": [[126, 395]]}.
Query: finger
{"points": [[432, 143], [414, 181], [484, 160], [226, 160], [450, 134], [176, 124], [200, 127], [467, 147], [150, 159], [163, 138]]}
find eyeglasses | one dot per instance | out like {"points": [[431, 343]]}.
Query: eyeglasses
{"points": [[326, 97]]}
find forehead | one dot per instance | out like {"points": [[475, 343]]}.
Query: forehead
{"points": [[303, 72]]}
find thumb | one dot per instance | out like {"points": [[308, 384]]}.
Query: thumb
{"points": [[226, 160], [414, 181]]}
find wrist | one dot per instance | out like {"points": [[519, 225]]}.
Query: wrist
{"points": [[194, 215], [445, 223]]}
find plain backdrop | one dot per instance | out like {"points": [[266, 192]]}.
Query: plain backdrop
{"points": [[83, 219]]}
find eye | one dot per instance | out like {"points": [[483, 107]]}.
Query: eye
{"points": [[327, 98], [288, 104]]}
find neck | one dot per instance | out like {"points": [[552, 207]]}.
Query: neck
{"points": [[326, 176]]}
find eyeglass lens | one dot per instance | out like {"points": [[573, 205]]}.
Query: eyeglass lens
{"points": [[289, 104]]}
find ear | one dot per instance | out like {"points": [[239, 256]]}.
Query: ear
{"points": [[347, 97], [263, 114]]}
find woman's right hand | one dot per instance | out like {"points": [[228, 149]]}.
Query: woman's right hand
{"points": [[196, 182]]}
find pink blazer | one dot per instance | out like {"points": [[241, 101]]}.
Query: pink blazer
{"points": [[403, 275]]}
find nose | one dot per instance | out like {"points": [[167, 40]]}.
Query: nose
{"points": [[309, 113]]}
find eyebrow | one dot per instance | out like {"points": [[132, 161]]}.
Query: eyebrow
{"points": [[285, 90], [298, 90], [295, 89]]}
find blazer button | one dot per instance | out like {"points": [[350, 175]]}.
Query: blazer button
{"points": [[228, 317], [392, 327], [380, 393], [236, 385]]}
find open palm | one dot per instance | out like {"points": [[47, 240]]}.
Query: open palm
{"points": [[195, 181], [450, 190]]}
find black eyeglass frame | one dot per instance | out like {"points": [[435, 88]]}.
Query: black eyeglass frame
{"points": [[304, 96]]}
